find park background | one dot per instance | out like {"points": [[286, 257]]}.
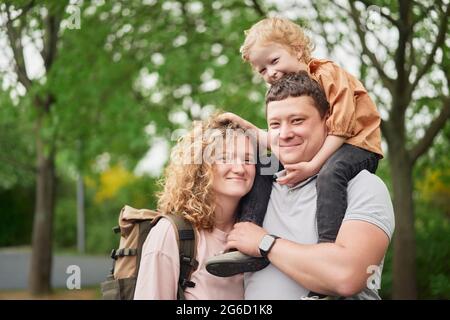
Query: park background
{"points": [[94, 93]]}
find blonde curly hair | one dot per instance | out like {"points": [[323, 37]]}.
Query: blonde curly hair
{"points": [[279, 30], [188, 179]]}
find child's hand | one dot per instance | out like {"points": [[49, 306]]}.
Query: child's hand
{"points": [[246, 125], [229, 116], [297, 172]]}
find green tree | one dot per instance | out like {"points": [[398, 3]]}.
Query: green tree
{"points": [[98, 92], [80, 97], [404, 51]]}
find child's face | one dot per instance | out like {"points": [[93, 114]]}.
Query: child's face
{"points": [[272, 61]]}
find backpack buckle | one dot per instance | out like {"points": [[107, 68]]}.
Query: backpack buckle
{"points": [[189, 261]]}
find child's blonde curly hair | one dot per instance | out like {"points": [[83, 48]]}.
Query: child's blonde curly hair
{"points": [[279, 30], [188, 178]]}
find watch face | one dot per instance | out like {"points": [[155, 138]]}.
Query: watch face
{"points": [[266, 242]]}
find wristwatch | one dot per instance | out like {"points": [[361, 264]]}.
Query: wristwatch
{"points": [[266, 244]]}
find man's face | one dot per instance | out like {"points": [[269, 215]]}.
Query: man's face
{"points": [[296, 130], [273, 60]]}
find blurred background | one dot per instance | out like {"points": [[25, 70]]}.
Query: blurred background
{"points": [[94, 93]]}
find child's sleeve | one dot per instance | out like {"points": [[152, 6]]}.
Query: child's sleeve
{"points": [[340, 92]]}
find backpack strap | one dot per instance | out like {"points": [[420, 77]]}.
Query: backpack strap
{"points": [[187, 246]]}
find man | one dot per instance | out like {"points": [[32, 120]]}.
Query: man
{"points": [[349, 267]]}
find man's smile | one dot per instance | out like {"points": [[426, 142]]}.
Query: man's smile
{"points": [[290, 145]]}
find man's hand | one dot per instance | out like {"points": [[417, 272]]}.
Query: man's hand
{"points": [[297, 172], [246, 237]]}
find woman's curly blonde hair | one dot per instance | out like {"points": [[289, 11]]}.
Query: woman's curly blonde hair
{"points": [[188, 179], [279, 30]]}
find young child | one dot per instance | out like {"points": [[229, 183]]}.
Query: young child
{"points": [[274, 47]]}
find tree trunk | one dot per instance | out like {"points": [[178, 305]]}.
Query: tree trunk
{"points": [[41, 257], [404, 272]]}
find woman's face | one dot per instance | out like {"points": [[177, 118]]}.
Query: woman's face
{"points": [[234, 168]]}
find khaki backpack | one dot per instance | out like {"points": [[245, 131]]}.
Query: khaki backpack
{"points": [[134, 226]]}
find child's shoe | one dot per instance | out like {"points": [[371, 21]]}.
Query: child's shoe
{"points": [[235, 262], [316, 296]]}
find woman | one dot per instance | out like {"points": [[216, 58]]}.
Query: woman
{"points": [[209, 172]]}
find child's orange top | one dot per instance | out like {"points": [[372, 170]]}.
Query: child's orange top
{"points": [[353, 115]]}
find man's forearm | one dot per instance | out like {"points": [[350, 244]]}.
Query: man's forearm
{"points": [[325, 268], [339, 268]]}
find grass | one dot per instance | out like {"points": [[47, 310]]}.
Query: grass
{"points": [[89, 293]]}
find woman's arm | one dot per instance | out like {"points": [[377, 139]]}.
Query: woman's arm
{"points": [[160, 267]]}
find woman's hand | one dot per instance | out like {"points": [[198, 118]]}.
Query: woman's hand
{"points": [[246, 237]]}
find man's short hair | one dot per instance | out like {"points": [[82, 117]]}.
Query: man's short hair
{"points": [[297, 85]]}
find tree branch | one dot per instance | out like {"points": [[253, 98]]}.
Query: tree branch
{"points": [[381, 43], [404, 37], [384, 15], [385, 131], [15, 38], [52, 23], [424, 12], [436, 125], [440, 39], [25, 9], [328, 44], [387, 81], [412, 57], [389, 18], [258, 8]]}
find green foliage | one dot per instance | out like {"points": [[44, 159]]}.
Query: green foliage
{"points": [[432, 173], [433, 255], [16, 207], [102, 217], [65, 222], [17, 151], [384, 172], [433, 252]]}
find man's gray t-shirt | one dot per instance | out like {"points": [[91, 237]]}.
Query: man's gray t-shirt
{"points": [[291, 214]]}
